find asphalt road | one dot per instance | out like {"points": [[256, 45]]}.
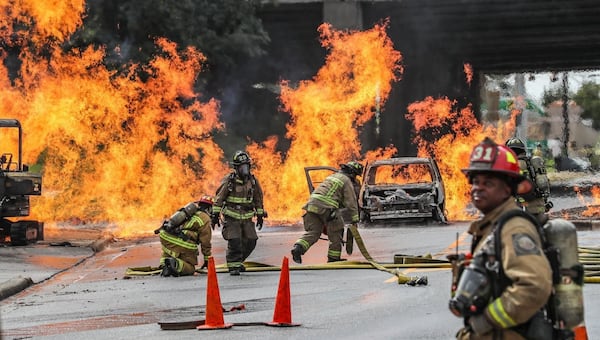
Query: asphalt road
{"points": [[85, 295]]}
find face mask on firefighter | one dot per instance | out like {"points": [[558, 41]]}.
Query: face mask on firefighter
{"points": [[473, 291], [243, 170]]}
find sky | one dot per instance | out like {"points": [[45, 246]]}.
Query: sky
{"points": [[543, 81]]}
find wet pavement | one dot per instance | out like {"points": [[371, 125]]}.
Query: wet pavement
{"points": [[26, 265], [97, 257], [23, 266], [94, 299]]}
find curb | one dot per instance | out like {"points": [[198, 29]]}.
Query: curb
{"points": [[19, 283], [14, 286]]}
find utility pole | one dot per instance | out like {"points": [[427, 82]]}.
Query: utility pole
{"points": [[520, 102], [565, 109]]}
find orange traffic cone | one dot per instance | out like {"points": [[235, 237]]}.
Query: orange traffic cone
{"points": [[214, 309], [580, 333], [282, 316]]}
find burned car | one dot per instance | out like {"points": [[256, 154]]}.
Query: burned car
{"points": [[394, 190], [401, 189]]}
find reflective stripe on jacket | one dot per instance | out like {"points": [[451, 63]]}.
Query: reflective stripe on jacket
{"points": [[336, 191], [529, 270], [239, 199]]}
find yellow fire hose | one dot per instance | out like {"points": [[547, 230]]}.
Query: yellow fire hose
{"points": [[591, 265], [402, 279], [591, 268], [589, 257], [590, 250], [388, 267]]}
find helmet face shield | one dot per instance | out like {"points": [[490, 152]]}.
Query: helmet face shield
{"points": [[243, 170]]}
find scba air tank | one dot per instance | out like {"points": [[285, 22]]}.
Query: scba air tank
{"points": [[568, 283], [541, 179], [182, 215]]}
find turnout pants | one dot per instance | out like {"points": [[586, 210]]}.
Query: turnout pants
{"points": [[241, 240], [184, 252], [315, 225]]}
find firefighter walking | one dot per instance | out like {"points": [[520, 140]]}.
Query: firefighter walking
{"points": [[509, 275], [239, 198], [323, 211], [180, 236]]}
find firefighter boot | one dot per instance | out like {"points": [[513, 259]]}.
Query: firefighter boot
{"points": [[297, 253], [334, 259], [170, 267], [234, 271]]}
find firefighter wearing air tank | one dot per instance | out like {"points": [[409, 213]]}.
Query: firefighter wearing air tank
{"points": [[322, 211], [500, 295], [180, 236], [239, 198], [536, 202]]}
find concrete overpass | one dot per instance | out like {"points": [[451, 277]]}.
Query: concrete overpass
{"points": [[436, 37]]}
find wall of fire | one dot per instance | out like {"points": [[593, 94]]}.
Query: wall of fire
{"points": [[435, 38]]}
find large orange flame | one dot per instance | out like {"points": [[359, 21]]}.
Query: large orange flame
{"points": [[115, 148], [47, 20], [327, 113], [592, 205], [468, 69], [448, 135]]}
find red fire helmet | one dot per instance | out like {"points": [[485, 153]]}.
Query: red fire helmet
{"points": [[488, 156], [206, 199]]}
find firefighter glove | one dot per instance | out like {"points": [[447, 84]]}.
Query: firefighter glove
{"points": [[259, 222], [215, 221], [480, 324], [204, 265], [164, 224]]}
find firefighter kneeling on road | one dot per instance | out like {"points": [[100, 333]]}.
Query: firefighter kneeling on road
{"points": [[180, 236], [502, 293], [322, 211]]}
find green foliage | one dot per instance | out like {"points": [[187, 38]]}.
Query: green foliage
{"points": [[227, 32], [552, 95], [588, 97]]}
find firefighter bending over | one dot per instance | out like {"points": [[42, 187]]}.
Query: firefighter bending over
{"points": [[180, 236], [537, 201], [239, 198], [501, 293], [323, 211]]}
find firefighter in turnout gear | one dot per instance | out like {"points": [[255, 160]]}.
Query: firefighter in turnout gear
{"points": [[519, 275], [537, 201], [181, 235], [239, 198], [322, 214]]}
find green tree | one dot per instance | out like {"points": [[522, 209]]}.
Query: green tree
{"points": [[588, 97], [552, 95], [227, 32]]}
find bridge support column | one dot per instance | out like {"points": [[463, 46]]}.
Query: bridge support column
{"points": [[343, 14]]}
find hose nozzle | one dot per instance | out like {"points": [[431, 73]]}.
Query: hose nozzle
{"points": [[417, 281]]}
